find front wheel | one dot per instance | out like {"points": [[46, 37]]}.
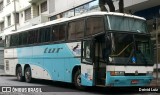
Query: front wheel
{"points": [[77, 80], [28, 76]]}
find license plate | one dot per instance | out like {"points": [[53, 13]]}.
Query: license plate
{"points": [[134, 81]]}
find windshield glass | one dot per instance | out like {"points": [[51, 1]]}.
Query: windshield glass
{"points": [[130, 49], [127, 24]]}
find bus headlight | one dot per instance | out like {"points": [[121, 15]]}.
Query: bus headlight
{"points": [[149, 73], [117, 73]]}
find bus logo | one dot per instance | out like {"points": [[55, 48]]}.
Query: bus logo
{"points": [[52, 50], [136, 72]]}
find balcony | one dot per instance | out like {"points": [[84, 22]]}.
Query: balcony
{"points": [[33, 1], [38, 20]]}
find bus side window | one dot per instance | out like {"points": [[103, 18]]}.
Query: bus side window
{"points": [[20, 38], [7, 43], [80, 25], [30, 37], [41, 35], [55, 33], [47, 32], [35, 35], [62, 31], [71, 31], [24, 38], [94, 25], [76, 29], [14, 40]]}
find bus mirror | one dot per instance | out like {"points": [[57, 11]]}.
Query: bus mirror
{"points": [[0, 38]]}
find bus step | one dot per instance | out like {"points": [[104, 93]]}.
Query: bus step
{"points": [[101, 85]]}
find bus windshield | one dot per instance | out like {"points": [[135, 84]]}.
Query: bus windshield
{"points": [[127, 24], [130, 49]]}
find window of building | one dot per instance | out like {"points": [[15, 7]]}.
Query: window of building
{"points": [[55, 33], [69, 13], [44, 7], [94, 25], [38, 10], [2, 26], [93, 6], [82, 9], [8, 1], [9, 20], [17, 17], [28, 14], [76, 29], [1, 6]]}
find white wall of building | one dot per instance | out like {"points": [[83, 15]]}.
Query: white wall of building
{"points": [[54, 7]]}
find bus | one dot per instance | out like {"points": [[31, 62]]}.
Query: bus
{"points": [[92, 49]]}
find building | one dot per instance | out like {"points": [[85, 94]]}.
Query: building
{"points": [[20, 14]]}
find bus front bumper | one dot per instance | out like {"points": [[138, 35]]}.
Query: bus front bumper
{"points": [[117, 81]]}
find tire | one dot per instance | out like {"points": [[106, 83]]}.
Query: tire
{"points": [[77, 80], [19, 74], [28, 77]]}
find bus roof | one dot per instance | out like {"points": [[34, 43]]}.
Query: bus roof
{"points": [[76, 17]]}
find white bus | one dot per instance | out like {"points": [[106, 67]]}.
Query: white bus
{"points": [[93, 49]]}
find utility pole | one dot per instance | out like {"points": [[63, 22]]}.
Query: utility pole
{"points": [[156, 51]]}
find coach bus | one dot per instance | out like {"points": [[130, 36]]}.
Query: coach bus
{"points": [[93, 49]]}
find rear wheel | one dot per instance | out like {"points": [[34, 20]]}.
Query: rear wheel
{"points": [[77, 80], [28, 76], [19, 74]]}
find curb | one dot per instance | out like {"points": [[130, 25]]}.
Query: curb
{"points": [[3, 74]]}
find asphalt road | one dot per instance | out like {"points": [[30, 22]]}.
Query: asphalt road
{"points": [[60, 88]]}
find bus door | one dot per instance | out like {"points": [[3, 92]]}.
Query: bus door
{"points": [[87, 61]]}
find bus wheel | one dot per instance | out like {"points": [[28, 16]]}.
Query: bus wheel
{"points": [[77, 80], [19, 74], [28, 77]]}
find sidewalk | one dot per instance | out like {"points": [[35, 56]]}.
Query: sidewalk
{"points": [[2, 72], [154, 75], [153, 83]]}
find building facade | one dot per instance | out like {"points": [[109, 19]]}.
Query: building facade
{"points": [[20, 14]]}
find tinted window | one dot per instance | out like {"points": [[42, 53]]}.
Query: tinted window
{"points": [[35, 34], [44, 34], [71, 30], [94, 25], [7, 41], [23, 38], [14, 40], [76, 29], [20, 39], [30, 37], [55, 33], [62, 31]]}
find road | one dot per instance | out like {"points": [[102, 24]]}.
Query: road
{"points": [[60, 88]]}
